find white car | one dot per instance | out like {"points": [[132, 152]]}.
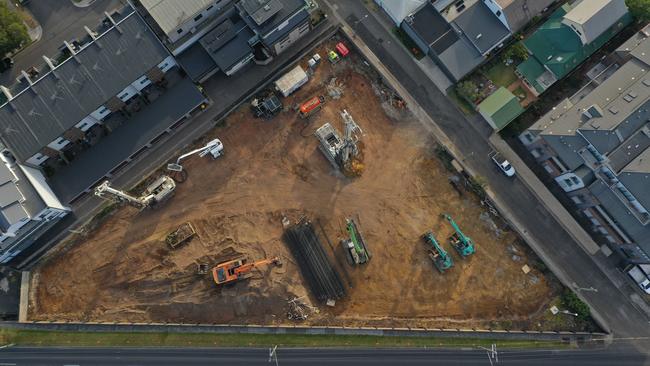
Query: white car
{"points": [[503, 164]]}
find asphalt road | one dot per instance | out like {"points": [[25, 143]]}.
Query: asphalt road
{"points": [[470, 136], [311, 357], [61, 21]]}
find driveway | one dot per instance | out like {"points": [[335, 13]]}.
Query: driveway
{"points": [[60, 21]]}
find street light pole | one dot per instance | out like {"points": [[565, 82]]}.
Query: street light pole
{"points": [[588, 289]]}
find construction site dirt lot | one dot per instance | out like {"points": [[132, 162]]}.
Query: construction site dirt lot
{"points": [[121, 270]]}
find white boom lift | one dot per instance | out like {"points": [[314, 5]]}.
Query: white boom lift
{"points": [[214, 148], [158, 191]]}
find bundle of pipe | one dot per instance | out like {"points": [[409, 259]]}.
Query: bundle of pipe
{"points": [[323, 280]]}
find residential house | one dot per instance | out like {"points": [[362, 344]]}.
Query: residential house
{"points": [[515, 14], [398, 10], [458, 39], [500, 108], [573, 33], [596, 145]]}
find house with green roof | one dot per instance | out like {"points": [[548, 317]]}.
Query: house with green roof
{"points": [[573, 33], [500, 108]]}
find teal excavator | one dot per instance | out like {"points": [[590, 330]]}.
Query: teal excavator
{"points": [[440, 258], [462, 243]]}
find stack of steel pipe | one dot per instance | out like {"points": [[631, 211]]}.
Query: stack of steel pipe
{"points": [[322, 279]]}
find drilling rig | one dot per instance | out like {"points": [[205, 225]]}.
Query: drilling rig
{"points": [[342, 152], [155, 193]]}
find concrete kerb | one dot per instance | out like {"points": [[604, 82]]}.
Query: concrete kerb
{"points": [[444, 140], [303, 330]]}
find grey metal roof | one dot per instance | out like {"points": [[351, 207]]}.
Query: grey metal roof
{"points": [[18, 198], [169, 14], [621, 213], [75, 88], [567, 148], [140, 129], [261, 10], [596, 16], [288, 8], [196, 61], [235, 47], [628, 151], [431, 27], [481, 27], [460, 58]]}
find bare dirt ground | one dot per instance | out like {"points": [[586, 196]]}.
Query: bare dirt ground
{"points": [[122, 269]]}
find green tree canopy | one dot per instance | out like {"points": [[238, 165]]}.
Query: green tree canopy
{"points": [[13, 32], [516, 52], [468, 90], [640, 9]]}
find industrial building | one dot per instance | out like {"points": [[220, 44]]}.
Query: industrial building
{"points": [[596, 146], [224, 36]]}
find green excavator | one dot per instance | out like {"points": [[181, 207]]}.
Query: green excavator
{"points": [[355, 246], [438, 256], [462, 243]]}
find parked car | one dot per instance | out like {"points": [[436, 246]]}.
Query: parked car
{"points": [[641, 276], [503, 164]]}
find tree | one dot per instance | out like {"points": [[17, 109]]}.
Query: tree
{"points": [[468, 90], [640, 9], [515, 52], [13, 32], [573, 303]]}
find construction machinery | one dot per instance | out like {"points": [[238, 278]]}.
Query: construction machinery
{"points": [[355, 247], [440, 258], [155, 193], [341, 152], [237, 270], [214, 148], [461, 242], [183, 234], [266, 105], [311, 106]]}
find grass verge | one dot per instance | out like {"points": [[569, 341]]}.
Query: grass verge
{"points": [[142, 339], [462, 104]]}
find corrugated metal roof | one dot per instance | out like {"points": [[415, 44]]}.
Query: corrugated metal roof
{"points": [[81, 84], [169, 14]]}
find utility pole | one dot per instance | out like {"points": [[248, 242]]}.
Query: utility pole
{"points": [[273, 355], [492, 353]]}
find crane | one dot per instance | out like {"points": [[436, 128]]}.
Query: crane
{"points": [[158, 191], [462, 243], [440, 258], [214, 148], [236, 270]]}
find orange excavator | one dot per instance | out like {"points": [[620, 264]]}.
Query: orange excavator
{"points": [[236, 270]]}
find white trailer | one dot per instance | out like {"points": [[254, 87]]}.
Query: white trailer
{"points": [[291, 81]]}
